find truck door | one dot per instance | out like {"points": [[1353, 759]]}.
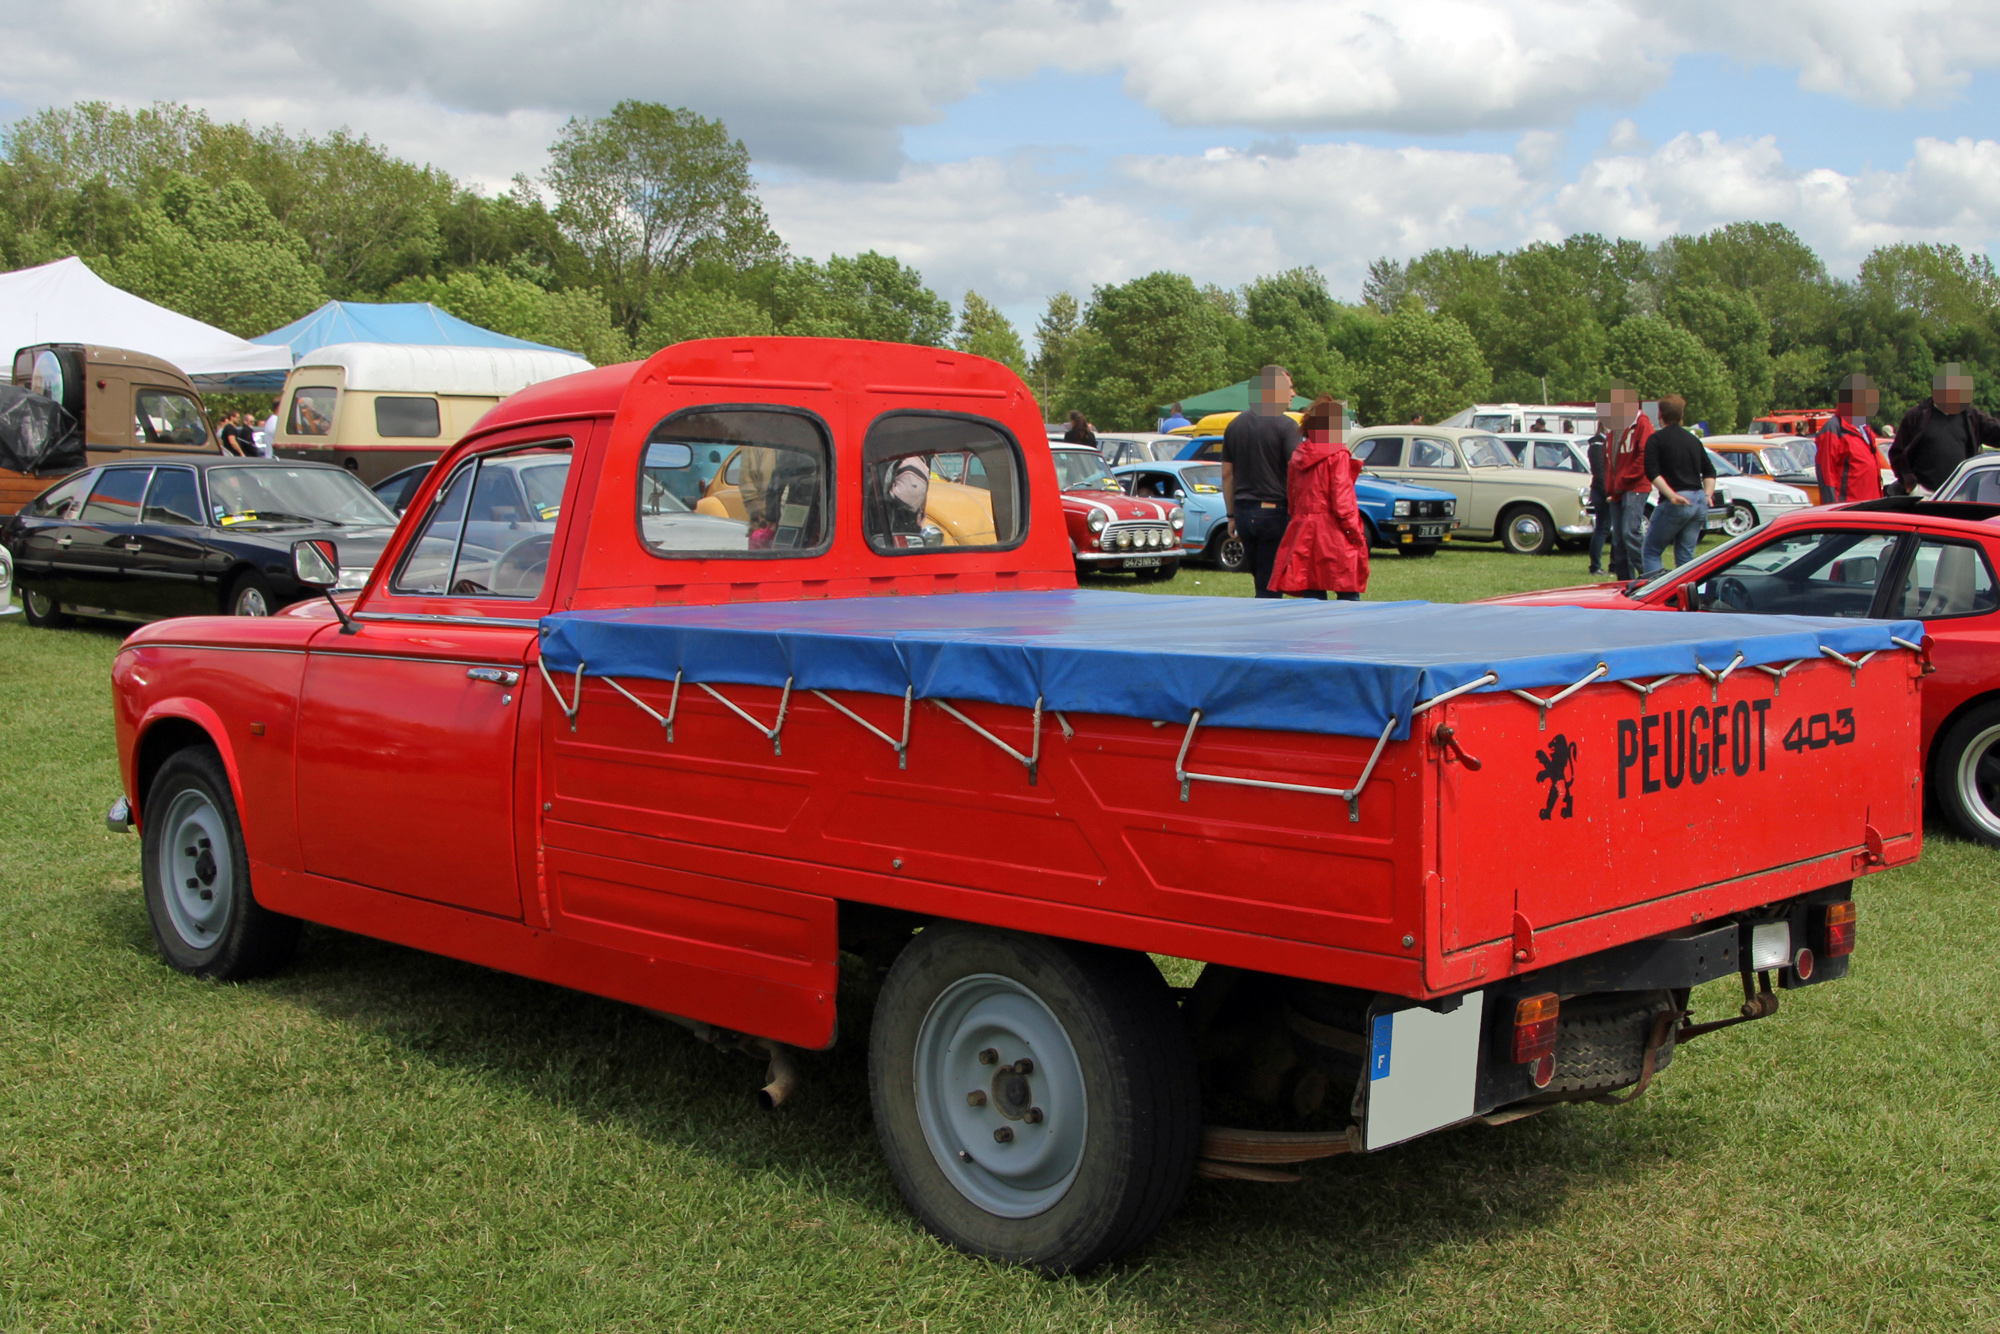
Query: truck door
{"points": [[407, 731]]}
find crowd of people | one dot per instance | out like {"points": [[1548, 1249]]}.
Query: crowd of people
{"points": [[242, 433], [1289, 493]]}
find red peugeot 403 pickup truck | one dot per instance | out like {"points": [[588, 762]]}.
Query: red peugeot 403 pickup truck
{"points": [[1440, 863]]}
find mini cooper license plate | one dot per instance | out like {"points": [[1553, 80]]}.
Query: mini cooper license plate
{"points": [[1143, 563]]}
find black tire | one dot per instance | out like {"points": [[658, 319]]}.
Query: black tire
{"points": [[1161, 575], [250, 595], [1527, 530], [197, 876], [1601, 1043], [42, 611], [1120, 1062], [1229, 554], [1965, 773], [1415, 549]]}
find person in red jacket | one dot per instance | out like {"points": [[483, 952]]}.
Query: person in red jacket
{"points": [[1325, 547], [1846, 458], [1626, 485]]}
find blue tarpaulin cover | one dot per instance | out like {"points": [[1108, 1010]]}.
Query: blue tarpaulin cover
{"points": [[410, 322], [1292, 666]]}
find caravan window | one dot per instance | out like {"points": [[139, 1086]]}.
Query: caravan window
{"points": [[312, 412], [411, 418]]}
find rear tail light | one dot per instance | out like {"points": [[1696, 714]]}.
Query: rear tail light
{"points": [[1535, 1029], [1770, 945], [1838, 935]]}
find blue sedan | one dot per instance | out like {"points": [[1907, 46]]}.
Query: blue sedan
{"points": [[1415, 520]]}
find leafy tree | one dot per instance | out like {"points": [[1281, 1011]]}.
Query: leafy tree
{"points": [[1146, 342], [1766, 260], [863, 296], [1056, 335], [985, 332], [1463, 284], [1940, 284], [1657, 357], [1289, 319], [1731, 325], [1547, 331], [686, 313], [1385, 286], [578, 320], [370, 219], [648, 191], [219, 256], [1423, 363]]}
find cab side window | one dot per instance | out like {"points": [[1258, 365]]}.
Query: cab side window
{"points": [[60, 502], [115, 496], [1804, 573], [482, 538], [1947, 578], [906, 505], [173, 498], [311, 413], [750, 481], [1384, 451], [161, 417]]}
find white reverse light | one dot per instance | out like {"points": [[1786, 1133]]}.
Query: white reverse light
{"points": [[1770, 946]]}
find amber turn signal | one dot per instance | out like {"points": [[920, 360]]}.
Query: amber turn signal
{"points": [[1838, 937], [1535, 1026]]}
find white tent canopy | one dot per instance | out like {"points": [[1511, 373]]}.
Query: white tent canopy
{"points": [[65, 302]]}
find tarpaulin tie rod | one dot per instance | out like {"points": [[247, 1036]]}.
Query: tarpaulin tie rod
{"points": [[1033, 761], [1545, 705], [1646, 692], [1352, 795], [1853, 665], [784, 702], [568, 706], [1715, 678], [1490, 678], [1778, 676], [673, 705], [902, 748], [1904, 643]]}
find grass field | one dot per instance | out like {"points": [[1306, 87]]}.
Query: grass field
{"points": [[382, 1140]]}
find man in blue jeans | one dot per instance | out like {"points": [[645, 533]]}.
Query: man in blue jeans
{"points": [[1683, 477], [1256, 452]]}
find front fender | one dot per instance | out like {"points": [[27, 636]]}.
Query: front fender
{"points": [[186, 710]]}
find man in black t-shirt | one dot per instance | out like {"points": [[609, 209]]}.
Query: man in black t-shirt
{"points": [[1256, 452], [1940, 433], [1683, 477]]}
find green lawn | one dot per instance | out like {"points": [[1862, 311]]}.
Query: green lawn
{"points": [[381, 1140]]}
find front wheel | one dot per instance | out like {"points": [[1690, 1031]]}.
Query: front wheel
{"points": [[1740, 519], [41, 610], [1036, 1098], [1417, 549], [197, 876], [1965, 773], [1527, 531]]}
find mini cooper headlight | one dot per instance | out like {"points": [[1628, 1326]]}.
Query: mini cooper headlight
{"points": [[1177, 517], [1095, 523]]}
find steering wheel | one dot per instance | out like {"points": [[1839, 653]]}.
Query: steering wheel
{"points": [[523, 566], [1733, 591]]}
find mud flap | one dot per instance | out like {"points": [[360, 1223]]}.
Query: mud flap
{"points": [[1423, 1070]]}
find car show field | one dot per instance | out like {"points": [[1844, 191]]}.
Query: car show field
{"points": [[383, 1138]]}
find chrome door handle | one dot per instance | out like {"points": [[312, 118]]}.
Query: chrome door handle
{"points": [[135, 546], [496, 675], [64, 540]]}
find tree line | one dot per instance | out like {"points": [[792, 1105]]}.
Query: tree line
{"points": [[645, 229]]}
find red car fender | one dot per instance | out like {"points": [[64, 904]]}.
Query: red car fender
{"points": [[189, 710]]}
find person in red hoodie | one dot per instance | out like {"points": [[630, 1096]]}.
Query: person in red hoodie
{"points": [[1325, 547], [1626, 485], [1846, 457]]}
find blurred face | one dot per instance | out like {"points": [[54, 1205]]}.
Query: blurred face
{"points": [[1859, 400], [1618, 409], [1274, 393], [1952, 392]]}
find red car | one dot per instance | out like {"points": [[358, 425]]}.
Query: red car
{"points": [[1898, 558], [1110, 531]]}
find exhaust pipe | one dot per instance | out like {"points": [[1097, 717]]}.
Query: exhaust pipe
{"points": [[782, 1076]]}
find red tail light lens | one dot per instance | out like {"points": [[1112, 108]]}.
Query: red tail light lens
{"points": [[1535, 1027], [1839, 930]]}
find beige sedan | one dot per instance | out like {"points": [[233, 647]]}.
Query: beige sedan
{"points": [[1528, 510]]}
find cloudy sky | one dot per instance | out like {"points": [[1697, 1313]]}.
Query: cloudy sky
{"points": [[1018, 147]]}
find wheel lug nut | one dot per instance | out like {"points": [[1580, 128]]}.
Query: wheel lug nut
{"points": [[1024, 1066], [1034, 1116], [988, 1056], [1004, 1135], [976, 1098], [964, 1157]]}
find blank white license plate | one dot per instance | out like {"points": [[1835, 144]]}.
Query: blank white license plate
{"points": [[1143, 563]]}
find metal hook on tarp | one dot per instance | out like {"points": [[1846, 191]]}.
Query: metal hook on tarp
{"points": [[1715, 678], [784, 702], [1646, 692], [1778, 676], [1352, 795], [1546, 704], [1490, 678], [569, 706], [1033, 761], [673, 705], [1853, 665], [902, 748]]}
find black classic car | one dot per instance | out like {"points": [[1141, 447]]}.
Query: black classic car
{"points": [[146, 540]]}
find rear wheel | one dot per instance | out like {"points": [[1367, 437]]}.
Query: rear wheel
{"points": [[251, 596], [41, 610], [1228, 554], [197, 876], [1965, 773], [1740, 519], [1526, 530], [1037, 1099]]}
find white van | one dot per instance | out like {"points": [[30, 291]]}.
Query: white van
{"points": [[375, 408], [1517, 418]]}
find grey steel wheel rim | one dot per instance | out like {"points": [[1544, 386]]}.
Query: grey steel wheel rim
{"points": [[251, 602], [197, 873], [1038, 1161], [1739, 520], [40, 603], [1979, 780], [1524, 532]]}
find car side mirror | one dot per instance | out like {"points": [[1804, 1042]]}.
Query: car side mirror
{"points": [[316, 564], [1179, 494]]}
